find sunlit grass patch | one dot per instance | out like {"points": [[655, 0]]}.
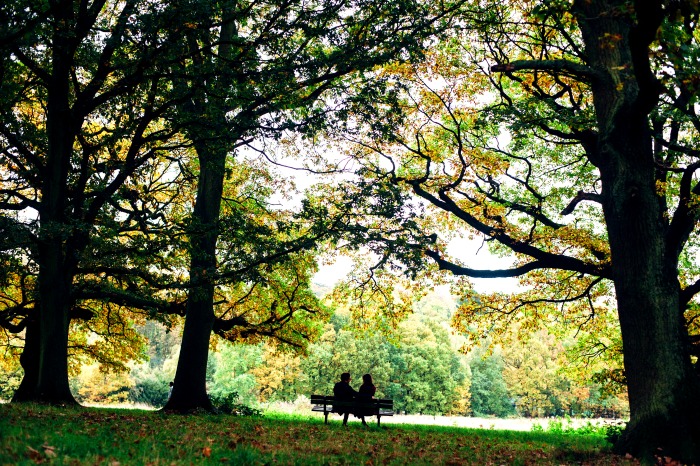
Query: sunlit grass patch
{"points": [[32, 434]]}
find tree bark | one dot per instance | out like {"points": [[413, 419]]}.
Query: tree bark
{"points": [[29, 360], [664, 391], [54, 280], [189, 390]]}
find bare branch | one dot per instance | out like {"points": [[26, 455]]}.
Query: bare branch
{"points": [[580, 196]]}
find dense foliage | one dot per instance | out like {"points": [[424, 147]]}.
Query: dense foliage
{"points": [[564, 132], [420, 367]]}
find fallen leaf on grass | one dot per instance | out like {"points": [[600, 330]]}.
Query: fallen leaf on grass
{"points": [[667, 461], [49, 451], [206, 452], [35, 455]]}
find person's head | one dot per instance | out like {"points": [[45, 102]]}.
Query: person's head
{"points": [[367, 379], [345, 377], [172, 383]]}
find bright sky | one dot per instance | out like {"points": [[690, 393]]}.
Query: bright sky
{"points": [[469, 251], [472, 252]]}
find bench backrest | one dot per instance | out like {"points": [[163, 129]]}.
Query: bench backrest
{"points": [[330, 400]]}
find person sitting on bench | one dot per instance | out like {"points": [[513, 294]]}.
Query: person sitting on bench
{"points": [[366, 393], [342, 391]]}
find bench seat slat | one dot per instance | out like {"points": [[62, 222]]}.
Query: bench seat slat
{"points": [[375, 407]]}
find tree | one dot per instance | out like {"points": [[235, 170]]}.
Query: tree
{"points": [[82, 106], [96, 386], [346, 350], [10, 370], [320, 369], [257, 69], [575, 149], [531, 371], [277, 374], [150, 380], [427, 374], [233, 373], [417, 367], [260, 281], [489, 393]]}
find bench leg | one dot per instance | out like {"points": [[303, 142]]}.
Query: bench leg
{"points": [[325, 413], [379, 420]]}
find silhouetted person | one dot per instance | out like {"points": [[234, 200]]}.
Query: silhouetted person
{"points": [[366, 393], [342, 391]]}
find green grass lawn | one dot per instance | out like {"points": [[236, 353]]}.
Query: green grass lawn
{"points": [[32, 434]]}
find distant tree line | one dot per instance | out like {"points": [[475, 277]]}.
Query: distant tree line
{"points": [[419, 367]]}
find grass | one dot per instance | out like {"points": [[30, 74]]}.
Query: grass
{"points": [[34, 434]]}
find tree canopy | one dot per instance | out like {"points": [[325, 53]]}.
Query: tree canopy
{"points": [[119, 119], [565, 134], [562, 132]]}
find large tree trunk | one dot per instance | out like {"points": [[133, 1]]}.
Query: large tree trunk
{"points": [[54, 280], [663, 389], [189, 391], [664, 392], [29, 361]]}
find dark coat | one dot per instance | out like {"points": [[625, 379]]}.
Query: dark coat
{"points": [[366, 393], [343, 391]]}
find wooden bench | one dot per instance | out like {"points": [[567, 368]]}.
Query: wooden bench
{"points": [[374, 407]]}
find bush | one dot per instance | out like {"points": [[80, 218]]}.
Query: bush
{"points": [[229, 404], [152, 391], [9, 382], [613, 432], [566, 427]]}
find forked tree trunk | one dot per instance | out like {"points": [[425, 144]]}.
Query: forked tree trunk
{"points": [[663, 389]]}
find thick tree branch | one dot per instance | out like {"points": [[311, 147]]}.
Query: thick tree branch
{"points": [[688, 293], [553, 262], [479, 273], [6, 321], [580, 197], [542, 258], [132, 300], [567, 67], [686, 215], [650, 16], [224, 325]]}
